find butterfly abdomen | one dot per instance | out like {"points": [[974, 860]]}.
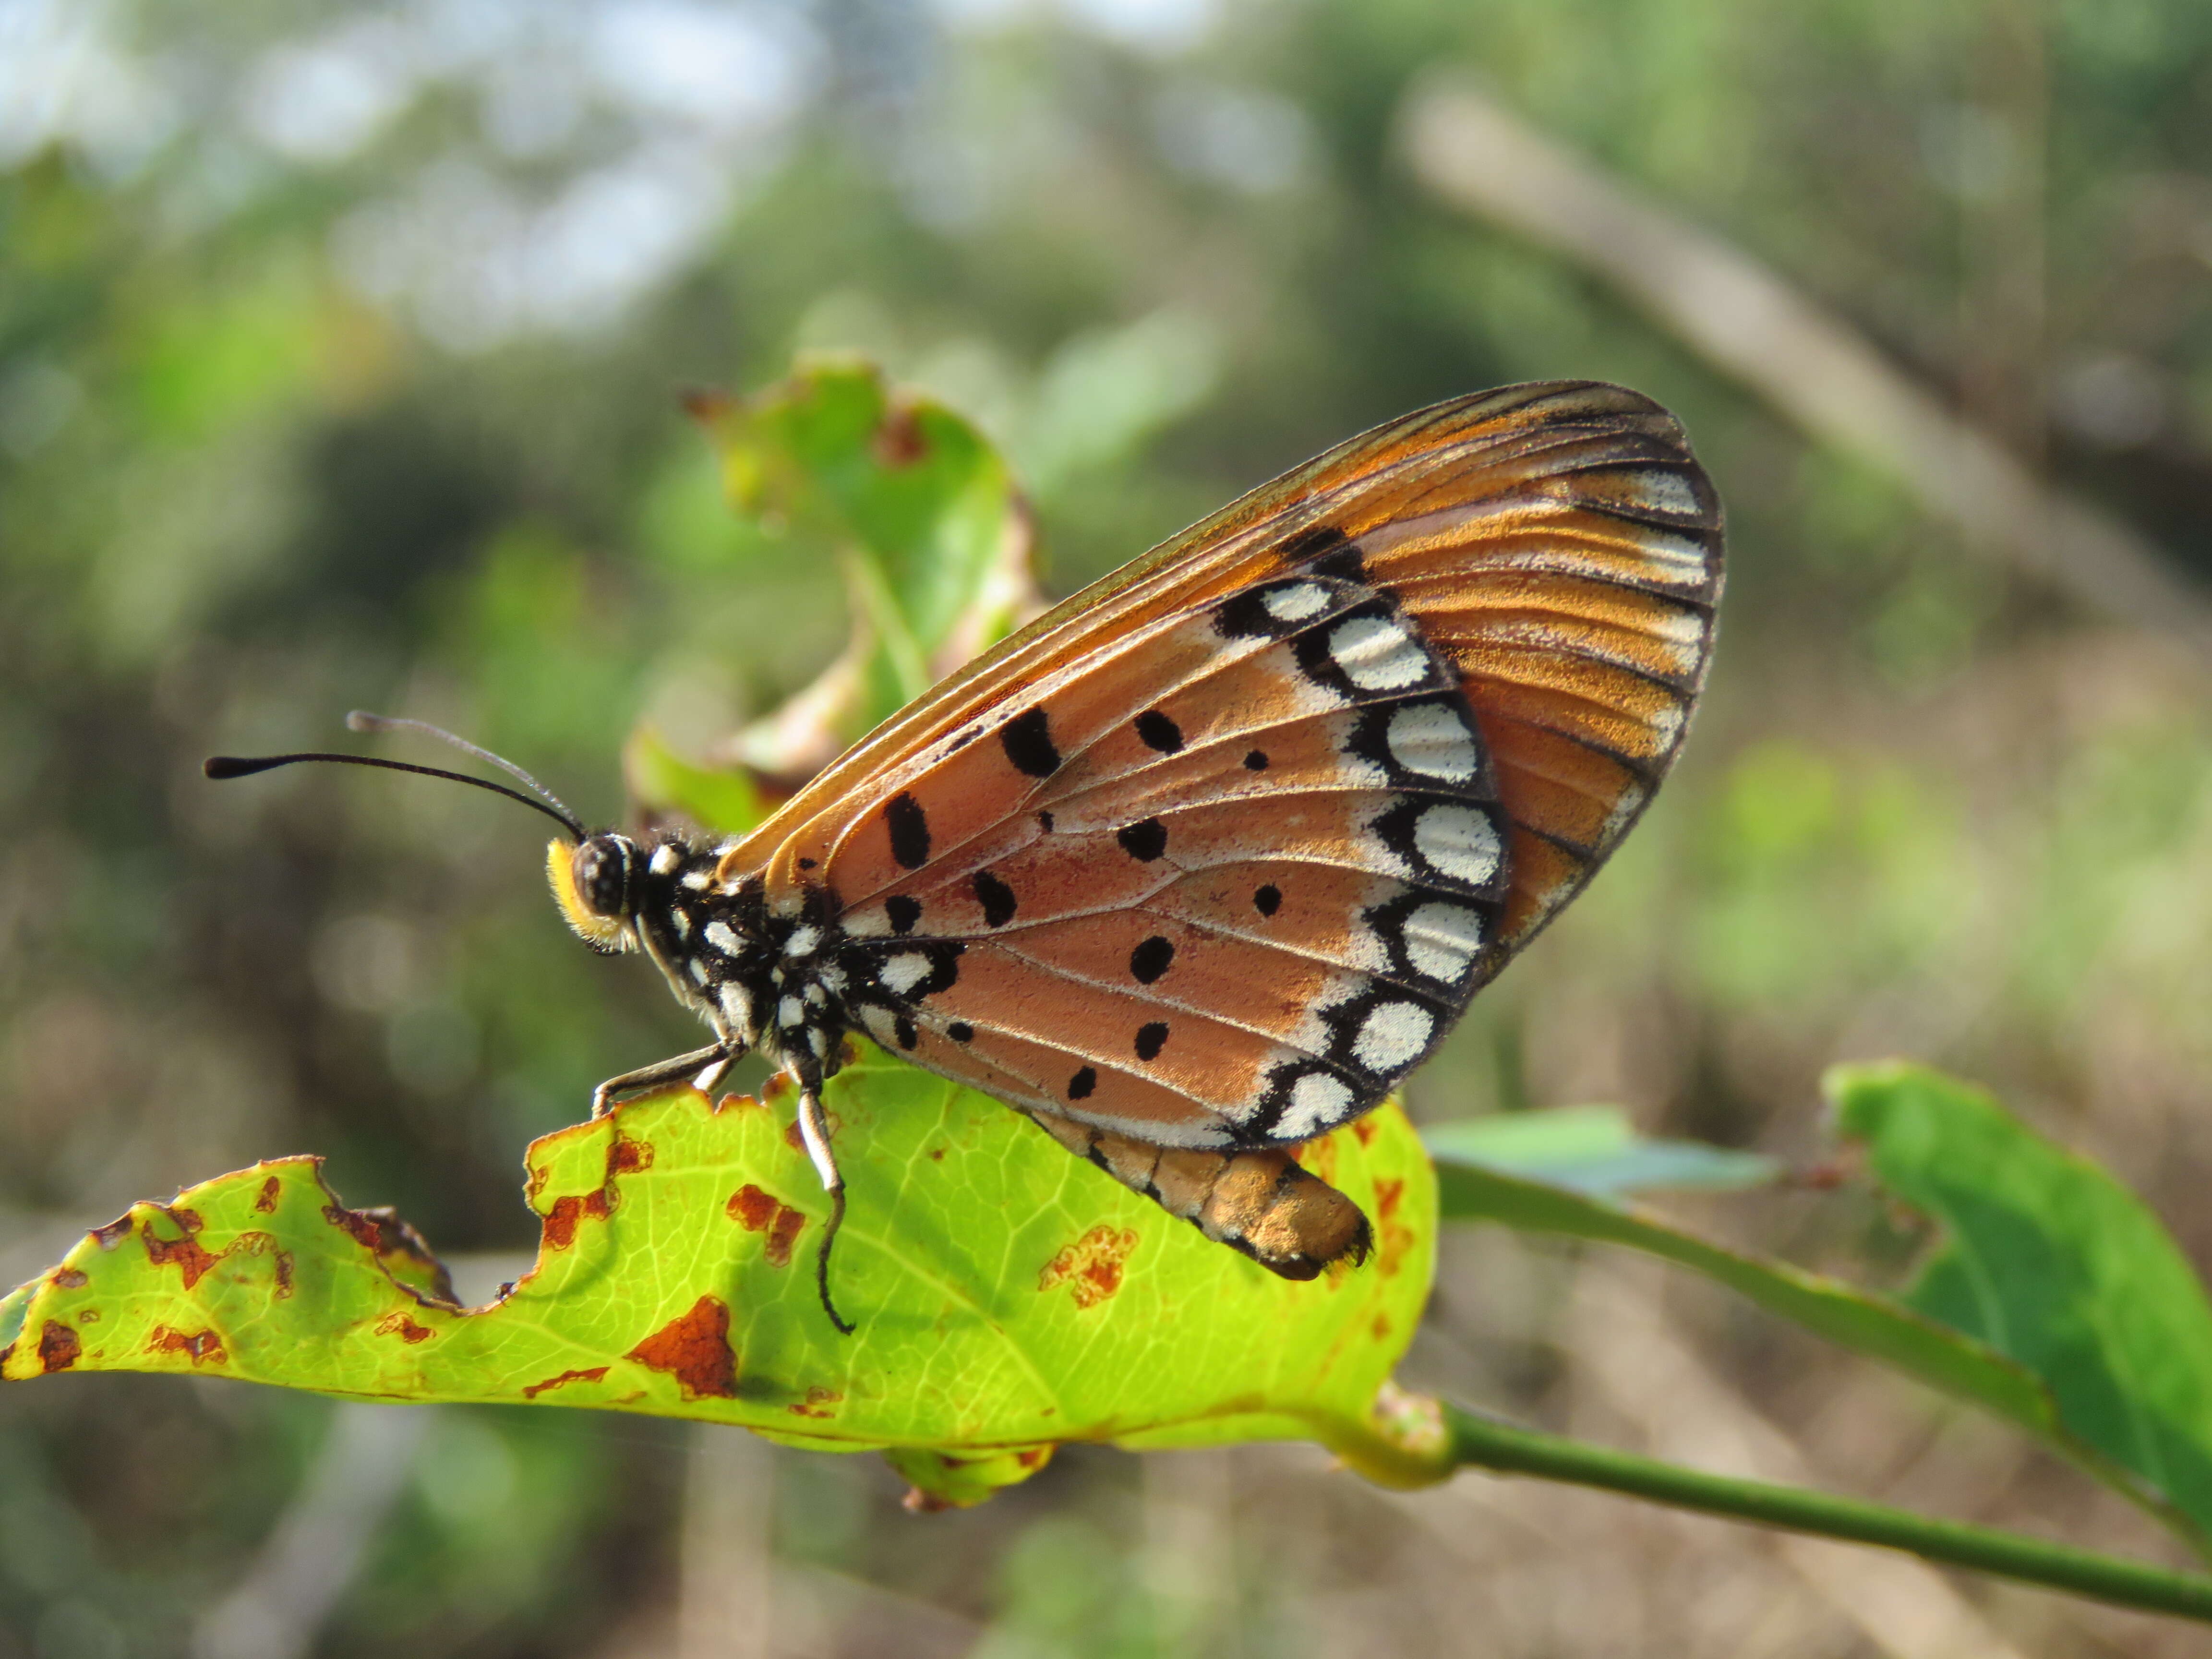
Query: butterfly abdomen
{"points": [[1257, 1200]]}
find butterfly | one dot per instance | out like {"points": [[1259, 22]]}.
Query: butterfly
{"points": [[1201, 863]]}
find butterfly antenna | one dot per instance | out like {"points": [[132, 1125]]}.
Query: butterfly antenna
{"points": [[241, 766], [361, 720]]}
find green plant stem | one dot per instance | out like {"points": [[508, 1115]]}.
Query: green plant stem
{"points": [[1484, 1442]]}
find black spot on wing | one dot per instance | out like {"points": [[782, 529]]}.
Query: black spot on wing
{"points": [[1080, 1086], [1028, 741], [1150, 960], [1256, 761], [909, 828], [1142, 840], [996, 897], [904, 911], [1158, 731], [1151, 1038], [960, 1031], [1268, 900], [902, 1029]]}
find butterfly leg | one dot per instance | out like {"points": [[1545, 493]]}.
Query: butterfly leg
{"points": [[814, 1130], [713, 1058], [1258, 1201]]}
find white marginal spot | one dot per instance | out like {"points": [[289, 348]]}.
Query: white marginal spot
{"points": [[1318, 1101], [1667, 492], [680, 920], [699, 880], [1687, 561], [790, 1012], [816, 997], [1631, 802], [698, 971], [1377, 655], [1666, 724], [1431, 738], [724, 938], [882, 1023], [900, 974], [866, 924], [1296, 602], [1459, 841], [819, 1040], [1443, 940], [802, 941], [738, 1008], [833, 976], [665, 857], [1392, 1036]]}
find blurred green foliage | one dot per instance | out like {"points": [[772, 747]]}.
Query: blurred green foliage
{"points": [[340, 354]]}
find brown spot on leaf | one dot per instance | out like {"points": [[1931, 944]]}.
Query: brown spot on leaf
{"points": [[918, 1502], [819, 1402], [59, 1348], [792, 1139], [531, 1390], [560, 1229], [1397, 1237], [899, 440], [1381, 1327], [1387, 1195], [1365, 1128], [1035, 1458], [759, 1212], [1093, 1265], [789, 1224], [694, 1349], [88, 1315], [752, 1209], [197, 1345], [624, 1155], [364, 1227], [399, 1325], [70, 1278], [265, 1201], [283, 1287], [113, 1233], [187, 1256]]}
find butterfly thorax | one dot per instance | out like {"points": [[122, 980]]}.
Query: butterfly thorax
{"points": [[766, 977]]}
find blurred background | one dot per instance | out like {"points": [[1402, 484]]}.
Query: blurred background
{"points": [[340, 354]]}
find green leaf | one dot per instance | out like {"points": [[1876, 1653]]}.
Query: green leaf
{"points": [[1908, 1339], [1008, 1297], [1593, 1150], [2049, 1259], [934, 538]]}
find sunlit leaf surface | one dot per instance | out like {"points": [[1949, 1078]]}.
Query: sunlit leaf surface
{"points": [[2049, 1259], [1008, 1297]]}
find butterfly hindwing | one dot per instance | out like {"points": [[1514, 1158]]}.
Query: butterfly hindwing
{"points": [[1236, 906]]}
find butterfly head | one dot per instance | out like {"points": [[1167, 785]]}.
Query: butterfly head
{"points": [[597, 882]]}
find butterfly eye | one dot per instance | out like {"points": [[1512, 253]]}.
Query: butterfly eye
{"points": [[604, 864]]}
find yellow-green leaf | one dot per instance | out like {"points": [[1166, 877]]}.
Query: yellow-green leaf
{"points": [[1007, 1296]]}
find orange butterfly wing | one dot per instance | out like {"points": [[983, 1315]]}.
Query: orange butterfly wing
{"points": [[1464, 647]]}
